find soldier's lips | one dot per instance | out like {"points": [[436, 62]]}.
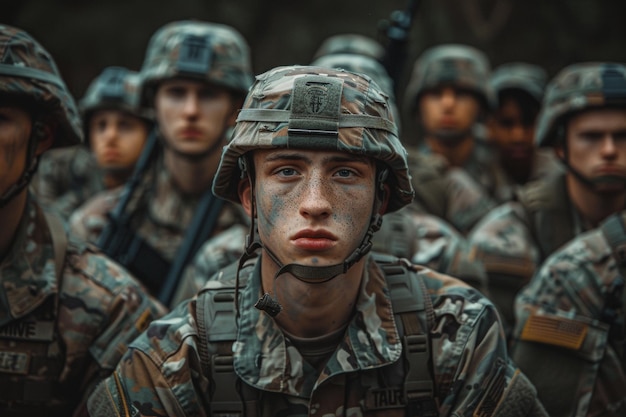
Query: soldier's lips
{"points": [[314, 240]]}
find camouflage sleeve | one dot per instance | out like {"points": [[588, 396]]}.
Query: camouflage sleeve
{"points": [[162, 381], [102, 309], [473, 372], [89, 220], [441, 248], [468, 202], [563, 330]]}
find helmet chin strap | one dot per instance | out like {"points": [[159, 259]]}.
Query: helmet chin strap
{"points": [[315, 274], [592, 183]]}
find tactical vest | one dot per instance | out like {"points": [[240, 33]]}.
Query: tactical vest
{"points": [[217, 331], [31, 358], [549, 210]]}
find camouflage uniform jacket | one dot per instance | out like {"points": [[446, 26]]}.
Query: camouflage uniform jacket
{"points": [[66, 178], [60, 335], [161, 213], [423, 238], [544, 164], [447, 192], [161, 373], [576, 374], [514, 238]]}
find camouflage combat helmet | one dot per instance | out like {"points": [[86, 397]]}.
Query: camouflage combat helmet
{"points": [[115, 88], [579, 87], [198, 50], [529, 78], [350, 43], [316, 108], [462, 66], [363, 64], [28, 72]]}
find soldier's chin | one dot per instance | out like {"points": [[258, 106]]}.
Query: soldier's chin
{"points": [[609, 184], [449, 137]]}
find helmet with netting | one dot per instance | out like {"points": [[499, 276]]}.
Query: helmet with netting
{"points": [[579, 87], [197, 50], [529, 78], [316, 108], [460, 66], [350, 43], [29, 74]]}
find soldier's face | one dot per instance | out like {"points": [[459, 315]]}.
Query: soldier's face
{"points": [[447, 110], [313, 207], [513, 135], [116, 138], [192, 115], [15, 130], [596, 146]]}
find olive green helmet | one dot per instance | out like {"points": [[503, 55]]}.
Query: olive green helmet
{"points": [[350, 43], [523, 76], [28, 72], [197, 50], [115, 88], [579, 87], [307, 107], [461, 66]]}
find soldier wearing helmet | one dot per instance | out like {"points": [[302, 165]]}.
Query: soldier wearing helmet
{"points": [[583, 118], [519, 87], [116, 128], [309, 320], [67, 311], [447, 99], [194, 76]]}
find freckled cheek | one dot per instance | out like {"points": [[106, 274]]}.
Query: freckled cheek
{"points": [[273, 210]]}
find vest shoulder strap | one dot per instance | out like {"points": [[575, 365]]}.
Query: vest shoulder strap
{"points": [[547, 207], [217, 327]]}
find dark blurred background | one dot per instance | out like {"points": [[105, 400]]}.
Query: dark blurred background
{"points": [[87, 35]]}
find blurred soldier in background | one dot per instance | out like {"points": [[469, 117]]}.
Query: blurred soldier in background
{"points": [[195, 76], [570, 325], [519, 87], [116, 128], [315, 160], [66, 311], [448, 99], [583, 117]]}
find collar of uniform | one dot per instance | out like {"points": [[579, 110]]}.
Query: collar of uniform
{"points": [[267, 361], [27, 273]]}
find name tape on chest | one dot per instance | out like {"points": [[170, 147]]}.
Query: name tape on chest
{"points": [[14, 362], [28, 330], [384, 398]]}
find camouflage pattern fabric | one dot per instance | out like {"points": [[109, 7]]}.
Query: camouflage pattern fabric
{"points": [[161, 212], [529, 78], [66, 178], [447, 192], [60, 335], [576, 374], [514, 238], [350, 43], [161, 374]]}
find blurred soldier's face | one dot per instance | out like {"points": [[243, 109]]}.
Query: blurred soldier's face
{"points": [[15, 130], [116, 138], [513, 135], [596, 147], [192, 115], [447, 111], [313, 207]]}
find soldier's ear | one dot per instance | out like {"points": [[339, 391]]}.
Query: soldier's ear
{"points": [[46, 140], [244, 189]]}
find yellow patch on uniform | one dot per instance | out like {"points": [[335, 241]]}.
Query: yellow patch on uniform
{"points": [[557, 331], [144, 320]]}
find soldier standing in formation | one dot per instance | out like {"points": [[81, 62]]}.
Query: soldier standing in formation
{"points": [[67, 312]]}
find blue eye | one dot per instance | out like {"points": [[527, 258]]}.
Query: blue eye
{"points": [[287, 172]]}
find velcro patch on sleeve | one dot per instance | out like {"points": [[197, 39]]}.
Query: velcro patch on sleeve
{"points": [[557, 331]]}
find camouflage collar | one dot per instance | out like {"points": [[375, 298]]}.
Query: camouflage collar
{"points": [[27, 273], [264, 358]]}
